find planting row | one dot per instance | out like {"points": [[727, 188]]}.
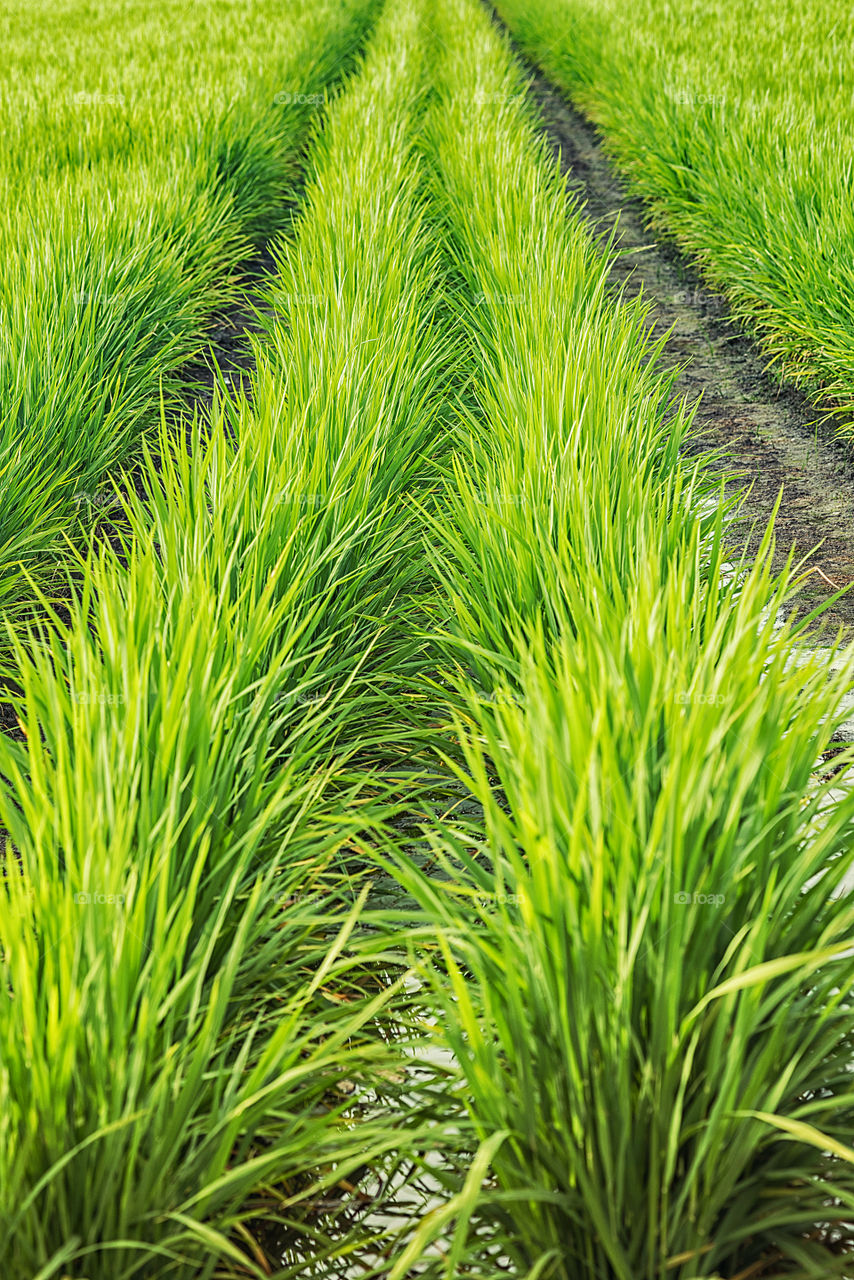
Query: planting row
{"points": [[648, 955], [152, 166], [603, 1028], [734, 125], [184, 1001]]}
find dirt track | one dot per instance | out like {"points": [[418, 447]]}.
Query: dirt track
{"points": [[770, 435]]}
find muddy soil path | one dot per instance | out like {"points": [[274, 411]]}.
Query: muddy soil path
{"points": [[229, 338], [769, 434]]}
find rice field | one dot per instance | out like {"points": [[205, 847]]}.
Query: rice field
{"points": [[426, 822], [734, 124]]}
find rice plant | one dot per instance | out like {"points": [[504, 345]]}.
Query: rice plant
{"points": [[734, 125], [143, 205], [444, 542], [187, 992], [642, 967]]}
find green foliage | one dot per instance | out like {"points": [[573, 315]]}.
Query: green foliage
{"points": [[445, 535], [186, 996], [733, 122], [646, 953], [151, 166]]}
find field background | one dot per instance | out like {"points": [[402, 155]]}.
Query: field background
{"points": [[426, 814]]}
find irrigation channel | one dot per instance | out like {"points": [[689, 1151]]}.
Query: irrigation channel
{"points": [[768, 431], [770, 434]]}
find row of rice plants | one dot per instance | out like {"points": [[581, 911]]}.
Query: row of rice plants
{"points": [[643, 970], [639, 967], [733, 122], [151, 165], [190, 1025]]}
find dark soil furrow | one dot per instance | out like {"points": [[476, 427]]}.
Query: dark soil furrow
{"points": [[768, 432], [229, 356]]}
